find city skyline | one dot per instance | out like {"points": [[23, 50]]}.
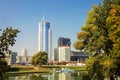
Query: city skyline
{"points": [[66, 18]]}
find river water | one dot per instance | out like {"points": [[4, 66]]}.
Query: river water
{"points": [[47, 76]]}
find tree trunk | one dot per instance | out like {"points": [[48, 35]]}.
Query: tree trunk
{"points": [[111, 78]]}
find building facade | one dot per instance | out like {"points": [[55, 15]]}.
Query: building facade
{"points": [[45, 38], [56, 54], [60, 53], [64, 54], [24, 52], [63, 42], [23, 58], [13, 57], [78, 56]]}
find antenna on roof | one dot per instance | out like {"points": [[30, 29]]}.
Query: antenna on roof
{"points": [[43, 17]]}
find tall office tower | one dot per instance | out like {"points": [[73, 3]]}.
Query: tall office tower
{"points": [[45, 38], [63, 42]]}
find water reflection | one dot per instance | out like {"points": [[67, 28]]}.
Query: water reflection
{"points": [[40, 76], [65, 76]]}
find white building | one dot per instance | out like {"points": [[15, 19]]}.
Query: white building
{"points": [[64, 54], [23, 58], [24, 52], [56, 54]]}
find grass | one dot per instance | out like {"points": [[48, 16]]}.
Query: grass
{"points": [[21, 68], [27, 69], [43, 69], [30, 71], [83, 68]]}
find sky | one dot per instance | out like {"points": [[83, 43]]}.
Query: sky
{"points": [[65, 16]]}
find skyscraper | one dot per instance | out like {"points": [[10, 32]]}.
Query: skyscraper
{"points": [[45, 38], [63, 50], [63, 42]]}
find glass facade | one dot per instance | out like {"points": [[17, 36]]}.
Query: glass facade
{"points": [[46, 35], [44, 38], [13, 58], [63, 42]]}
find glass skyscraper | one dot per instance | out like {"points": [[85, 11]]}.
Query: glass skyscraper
{"points": [[45, 38]]}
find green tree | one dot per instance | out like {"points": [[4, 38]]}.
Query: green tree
{"points": [[100, 38], [113, 24], [39, 58], [7, 39], [95, 69]]}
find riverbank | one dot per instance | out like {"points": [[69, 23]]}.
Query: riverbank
{"points": [[26, 72], [43, 69]]}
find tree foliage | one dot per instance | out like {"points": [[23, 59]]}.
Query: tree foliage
{"points": [[6, 39], [100, 37], [39, 58]]}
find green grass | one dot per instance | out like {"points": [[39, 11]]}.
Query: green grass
{"points": [[30, 71], [83, 68], [78, 68], [43, 69], [26, 69], [21, 68]]}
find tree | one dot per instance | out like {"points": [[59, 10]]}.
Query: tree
{"points": [[6, 39], [113, 24], [39, 58], [100, 38]]}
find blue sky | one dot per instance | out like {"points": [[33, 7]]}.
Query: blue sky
{"points": [[66, 18]]}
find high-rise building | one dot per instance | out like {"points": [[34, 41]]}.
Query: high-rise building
{"points": [[45, 38], [63, 42], [24, 52], [13, 57]]}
